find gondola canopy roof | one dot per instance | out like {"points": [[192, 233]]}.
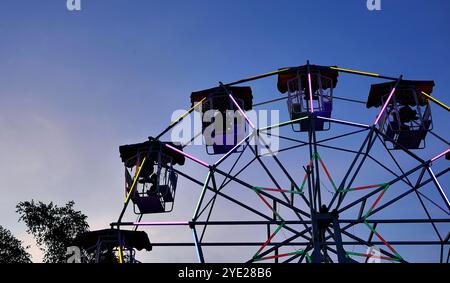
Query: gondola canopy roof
{"points": [[241, 92], [403, 92], [131, 152], [291, 73], [135, 239]]}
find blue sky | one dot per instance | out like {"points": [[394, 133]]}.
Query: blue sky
{"points": [[76, 85]]}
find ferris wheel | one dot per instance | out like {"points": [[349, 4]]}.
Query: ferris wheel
{"points": [[333, 190]]}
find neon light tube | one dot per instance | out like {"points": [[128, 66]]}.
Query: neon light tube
{"points": [[188, 155], [281, 255], [440, 155], [383, 240], [267, 74], [197, 247], [441, 191], [277, 190], [354, 71], [364, 187], [311, 104], [134, 181], [242, 112], [283, 124], [233, 149], [187, 112], [269, 239], [328, 174], [161, 223], [271, 208], [202, 195], [344, 122], [384, 106], [436, 101], [120, 254]]}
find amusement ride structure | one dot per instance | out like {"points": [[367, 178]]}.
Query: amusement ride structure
{"points": [[382, 180]]}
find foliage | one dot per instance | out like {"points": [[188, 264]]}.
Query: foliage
{"points": [[53, 227], [11, 249]]}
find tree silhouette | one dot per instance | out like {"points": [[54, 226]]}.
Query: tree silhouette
{"points": [[11, 249], [53, 227]]}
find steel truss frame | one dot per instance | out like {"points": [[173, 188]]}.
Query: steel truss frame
{"points": [[317, 242]]}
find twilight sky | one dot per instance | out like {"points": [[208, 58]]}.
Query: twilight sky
{"points": [[76, 85]]}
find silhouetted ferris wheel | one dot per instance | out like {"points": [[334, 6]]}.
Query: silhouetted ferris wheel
{"points": [[335, 190]]}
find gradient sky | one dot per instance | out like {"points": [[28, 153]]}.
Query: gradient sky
{"points": [[76, 85]]}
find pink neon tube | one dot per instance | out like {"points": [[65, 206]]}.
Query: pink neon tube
{"points": [[440, 155], [384, 106], [311, 104], [188, 155], [240, 110], [157, 223]]}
